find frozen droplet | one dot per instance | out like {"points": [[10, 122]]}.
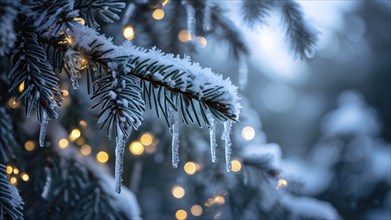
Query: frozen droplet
{"points": [[243, 72], [212, 136], [309, 52], [48, 183], [42, 131], [119, 155], [227, 143], [75, 82]]}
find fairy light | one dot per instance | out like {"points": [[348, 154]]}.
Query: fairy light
{"points": [[236, 166], [158, 14], [9, 169], [21, 87], [136, 148], [184, 36], [83, 63], [178, 191], [13, 180], [248, 133], [65, 92], [80, 21], [202, 41], [85, 150], [25, 177], [181, 214], [165, 2], [83, 123], [63, 143], [16, 171], [190, 168], [75, 134], [281, 183], [29, 145], [196, 210], [12, 103], [146, 139], [219, 200], [102, 157], [128, 32]]}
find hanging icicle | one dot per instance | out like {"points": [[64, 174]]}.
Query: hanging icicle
{"points": [[174, 118], [74, 63], [42, 131], [119, 158], [243, 72], [227, 143], [190, 18], [48, 183], [206, 23], [212, 136]]}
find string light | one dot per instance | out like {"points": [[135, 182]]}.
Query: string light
{"points": [[128, 32], [9, 169], [21, 87], [25, 177], [196, 210], [83, 123], [136, 148], [65, 92], [85, 150], [63, 143], [75, 134], [158, 14], [181, 214], [281, 183], [184, 36], [236, 166], [190, 168], [83, 63], [102, 157], [165, 2], [13, 180], [146, 139], [16, 171], [248, 133], [12, 103], [178, 191], [80, 21], [29, 145], [202, 41], [219, 200]]}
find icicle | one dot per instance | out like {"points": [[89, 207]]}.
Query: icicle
{"points": [[42, 131], [75, 81], [206, 23], [48, 183], [227, 143], [190, 19], [175, 138], [119, 155], [212, 136], [243, 72]]}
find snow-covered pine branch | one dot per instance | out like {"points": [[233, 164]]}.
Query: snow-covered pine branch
{"points": [[8, 144], [8, 12], [301, 35], [11, 204], [255, 12]]}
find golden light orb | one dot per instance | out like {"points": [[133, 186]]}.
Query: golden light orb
{"points": [[102, 157], [158, 14], [190, 168], [219, 200], [236, 166], [63, 143], [181, 214], [65, 92], [29, 145], [281, 183], [75, 134], [13, 180], [16, 170], [85, 150], [248, 133], [196, 210], [128, 32], [21, 87], [184, 36], [12, 103], [83, 123], [178, 191], [202, 41], [25, 177], [146, 139], [9, 169], [136, 148]]}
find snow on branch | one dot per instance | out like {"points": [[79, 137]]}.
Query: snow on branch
{"points": [[301, 35], [11, 204]]}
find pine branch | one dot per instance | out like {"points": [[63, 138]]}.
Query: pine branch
{"points": [[11, 204], [106, 10], [255, 12], [8, 12], [32, 70], [302, 37], [8, 144]]}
